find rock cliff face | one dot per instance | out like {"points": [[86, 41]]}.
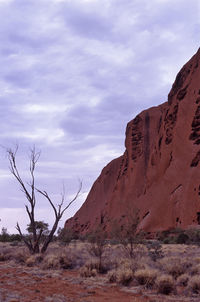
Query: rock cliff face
{"points": [[159, 172]]}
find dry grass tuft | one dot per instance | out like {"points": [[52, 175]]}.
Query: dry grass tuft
{"points": [[146, 276], [174, 266], [122, 276], [194, 284], [51, 261], [183, 280], [165, 284], [86, 272], [33, 260]]}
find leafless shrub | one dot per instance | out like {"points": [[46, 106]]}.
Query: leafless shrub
{"points": [[97, 246], [125, 231]]}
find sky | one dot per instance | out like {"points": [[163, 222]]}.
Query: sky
{"points": [[73, 73]]}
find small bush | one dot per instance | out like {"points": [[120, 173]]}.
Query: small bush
{"points": [[194, 284], [66, 262], [4, 257], [193, 235], [33, 260], [197, 260], [195, 270], [90, 269], [128, 263], [183, 280], [146, 276], [165, 284], [112, 276], [122, 276], [155, 250], [20, 256], [174, 266], [51, 262], [182, 238], [92, 264], [87, 272]]}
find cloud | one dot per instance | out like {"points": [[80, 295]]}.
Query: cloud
{"points": [[73, 73]]}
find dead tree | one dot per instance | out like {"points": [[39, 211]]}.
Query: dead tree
{"points": [[30, 191]]}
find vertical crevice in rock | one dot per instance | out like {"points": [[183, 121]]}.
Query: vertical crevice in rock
{"points": [[195, 135], [146, 140], [136, 139], [196, 160], [170, 122]]}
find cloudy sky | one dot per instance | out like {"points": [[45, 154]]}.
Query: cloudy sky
{"points": [[73, 73]]}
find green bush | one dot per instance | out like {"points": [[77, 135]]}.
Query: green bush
{"points": [[182, 238], [6, 237]]}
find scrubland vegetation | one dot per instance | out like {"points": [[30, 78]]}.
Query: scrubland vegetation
{"points": [[170, 268]]}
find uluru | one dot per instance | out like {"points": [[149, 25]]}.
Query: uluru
{"points": [[159, 172]]}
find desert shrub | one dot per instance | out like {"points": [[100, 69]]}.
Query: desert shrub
{"points": [[133, 264], [193, 235], [182, 238], [125, 231], [51, 261], [87, 272], [90, 269], [124, 276], [146, 276], [183, 280], [33, 260], [195, 269], [19, 256], [165, 284], [66, 262], [58, 261], [65, 236], [174, 266], [6, 237], [97, 241], [4, 257], [197, 260], [125, 262], [161, 236], [169, 240], [173, 236], [77, 253], [92, 264], [112, 276], [154, 250], [194, 284]]}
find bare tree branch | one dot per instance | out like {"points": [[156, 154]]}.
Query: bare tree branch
{"points": [[33, 243]]}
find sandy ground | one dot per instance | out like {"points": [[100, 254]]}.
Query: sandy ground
{"points": [[25, 284]]}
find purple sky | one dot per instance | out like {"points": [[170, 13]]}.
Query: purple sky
{"points": [[73, 73]]}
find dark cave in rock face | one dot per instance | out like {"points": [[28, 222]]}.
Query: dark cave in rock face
{"points": [[198, 217]]}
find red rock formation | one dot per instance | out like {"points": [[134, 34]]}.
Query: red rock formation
{"points": [[159, 173]]}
